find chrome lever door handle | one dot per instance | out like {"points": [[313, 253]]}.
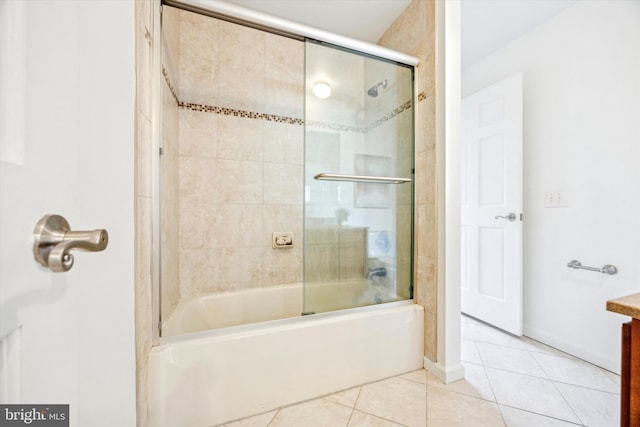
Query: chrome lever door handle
{"points": [[53, 241], [510, 217]]}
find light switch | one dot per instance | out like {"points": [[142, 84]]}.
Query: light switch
{"points": [[555, 199]]}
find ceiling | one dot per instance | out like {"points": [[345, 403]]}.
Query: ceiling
{"points": [[487, 25]]}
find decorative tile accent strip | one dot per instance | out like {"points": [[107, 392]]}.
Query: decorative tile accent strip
{"points": [[335, 126], [171, 88], [289, 120], [389, 116], [240, 113], [347, 128]]}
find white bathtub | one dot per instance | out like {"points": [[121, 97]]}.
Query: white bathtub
{"points": [[221, 310], [214, 311], [212, 377]]}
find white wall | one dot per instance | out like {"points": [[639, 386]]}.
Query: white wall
{"points": [[75, 329], [582, 137]]}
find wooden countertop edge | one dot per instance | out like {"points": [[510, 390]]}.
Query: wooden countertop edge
{"points": [[628, 305]]}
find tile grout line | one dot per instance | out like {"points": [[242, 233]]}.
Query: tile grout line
{"points": [[546, 377], [355, 403], [532, 376], [584, 387], [537, 413], [567, 357], [426, 398], [274, 417], [353, 408], [567, 402], [486, 374]]}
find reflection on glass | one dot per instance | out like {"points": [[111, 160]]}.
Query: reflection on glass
{"points": [[358, 235]]}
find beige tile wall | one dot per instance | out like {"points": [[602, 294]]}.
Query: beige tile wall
{"points": [[143, 203], [414, 33], [240, 178], [233, 170], [169, 196], [335, 253]]}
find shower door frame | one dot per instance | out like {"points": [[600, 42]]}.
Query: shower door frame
{"points": [[253, 19]]}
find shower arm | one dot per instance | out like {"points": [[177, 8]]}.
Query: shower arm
{"points": [[361, 178]]}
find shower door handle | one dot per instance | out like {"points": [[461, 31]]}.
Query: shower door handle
{"points": [[361, 178], [510, 217]]}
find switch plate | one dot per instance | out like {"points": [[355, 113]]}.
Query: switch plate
{"points": [[555, 199]]}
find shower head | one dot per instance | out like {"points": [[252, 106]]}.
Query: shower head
{"points": [[373, 90]]}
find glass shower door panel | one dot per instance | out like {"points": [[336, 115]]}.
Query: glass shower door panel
{"points": [[358, 180]]}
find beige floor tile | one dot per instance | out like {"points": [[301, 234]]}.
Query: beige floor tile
{"points": [[360, 419], [419, 376], [595, 408], [475, 383], [316, 413], [469, 352], [532, 394], [345, 397], [613, 376], [509, 359], [518, 418], [261, 420], [449, 409], [480, 332], [537, 347], [576, 372], [396, 399]]}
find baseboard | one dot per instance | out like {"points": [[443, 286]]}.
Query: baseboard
{"points": [[446, 374], [574, 350]]}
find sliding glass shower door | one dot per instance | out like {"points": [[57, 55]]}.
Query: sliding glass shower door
{"points": [[359, 161]]}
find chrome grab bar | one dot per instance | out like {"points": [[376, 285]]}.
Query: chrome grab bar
{"points": [[53, 241], [361, 178], [606, 269]]}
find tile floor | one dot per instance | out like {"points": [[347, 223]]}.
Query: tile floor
{"points": [[512, 382]]}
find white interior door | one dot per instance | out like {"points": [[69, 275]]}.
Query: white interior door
{"points": [[491, 235], [66, 147]]}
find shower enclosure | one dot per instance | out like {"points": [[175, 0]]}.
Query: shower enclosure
{"points": [[286, 174], [268, 137]]}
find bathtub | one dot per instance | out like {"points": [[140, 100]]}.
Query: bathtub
{"points": [[222, 310], [215, 376]]}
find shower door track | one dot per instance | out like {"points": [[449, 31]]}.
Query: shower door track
{"points": [[251, 18]]}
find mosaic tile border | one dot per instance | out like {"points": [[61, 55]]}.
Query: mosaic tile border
{"points": [[404, 107], [283, 119], [171, 88], [240, 113]]}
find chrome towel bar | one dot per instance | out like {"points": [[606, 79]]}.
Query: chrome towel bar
{"points": [[606, 269], [361, 178]]}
